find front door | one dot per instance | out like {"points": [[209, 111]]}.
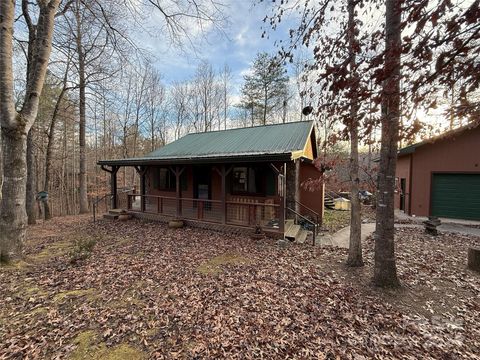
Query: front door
{"points": [[202, 180]]}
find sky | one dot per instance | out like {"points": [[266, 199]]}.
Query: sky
{"points": [[236, 47]]}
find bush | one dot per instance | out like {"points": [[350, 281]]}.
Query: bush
{"points": [[82, 249]]}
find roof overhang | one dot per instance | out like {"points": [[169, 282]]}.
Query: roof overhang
{"points": [[198, 160]]}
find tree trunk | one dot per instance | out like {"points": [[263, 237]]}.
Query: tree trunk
{"points": [[385, 273], [31, 180], [48, 164], [13, 221], [15, 126], [355, 246], [82, 178], [265, 103]]}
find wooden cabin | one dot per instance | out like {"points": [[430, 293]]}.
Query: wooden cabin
{"points": [[230, 180]]}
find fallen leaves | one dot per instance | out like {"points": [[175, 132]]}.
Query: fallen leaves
{"points": [[188, 293]]}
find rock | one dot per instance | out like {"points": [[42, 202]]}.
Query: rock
{"points": [[282, 243], [256, 236], [474, 259], [175, 224], [431, 225], [124, 217]]}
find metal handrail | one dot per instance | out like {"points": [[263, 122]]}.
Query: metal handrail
{"points": [[306, 207], [96, 202], [332, 194], [315, 226], [317, 216]]}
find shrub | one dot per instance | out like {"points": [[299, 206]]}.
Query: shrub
{"points": [[82, 249]]}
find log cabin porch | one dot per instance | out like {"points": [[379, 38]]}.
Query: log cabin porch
{"points": [[232, 180], [239, 195]]}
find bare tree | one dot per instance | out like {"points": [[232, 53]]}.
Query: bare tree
{"points": [[355, 246], [51, 136], [16, 124], [155, 108], [225, 79], [385, 273], [179, 100]]}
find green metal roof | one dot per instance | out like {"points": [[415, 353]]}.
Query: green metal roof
{"points": [[258, 141]]}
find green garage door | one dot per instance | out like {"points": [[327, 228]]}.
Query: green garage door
{"points": [[456, 196]]}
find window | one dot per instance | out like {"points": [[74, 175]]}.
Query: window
{"points": [[239, 183], [251, 180], [164, 179]]}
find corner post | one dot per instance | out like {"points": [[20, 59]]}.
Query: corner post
{"points": [[283, 199], [142, 188], [281, 191], [223, 172], [178, 195], [141, 170], [224, 195], [113, 185]]}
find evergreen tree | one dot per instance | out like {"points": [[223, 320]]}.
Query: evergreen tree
{"points": [[265, 88]]}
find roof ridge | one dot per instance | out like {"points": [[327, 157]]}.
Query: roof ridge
{"points": [[248, 127]]}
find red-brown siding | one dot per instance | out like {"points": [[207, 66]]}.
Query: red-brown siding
{"points": [[312, 199], [403, 172]]}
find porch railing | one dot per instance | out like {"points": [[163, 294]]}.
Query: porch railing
{"points": [[266, 215]]}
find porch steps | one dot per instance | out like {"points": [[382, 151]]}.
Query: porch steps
{"points": [[110, 216], [292, 232], [116, 211], [301, 236], [288, 223], [113, 214], [295, 232]]}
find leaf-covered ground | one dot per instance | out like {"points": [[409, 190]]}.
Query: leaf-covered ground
{"points": [[150, 292]]}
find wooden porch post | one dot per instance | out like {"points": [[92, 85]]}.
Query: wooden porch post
{"points": [[113, 183], [281, 191], [141, 170], [283, 200], [223, 172], [224, 196], [178, 195], [297, 185]]}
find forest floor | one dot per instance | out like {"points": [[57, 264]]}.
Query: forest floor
{"points": [[148, 291]]}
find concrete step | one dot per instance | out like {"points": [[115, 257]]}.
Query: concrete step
{"points": [[288, 224], [110, 216], [292, 232], [301, 236], [116, 211]]}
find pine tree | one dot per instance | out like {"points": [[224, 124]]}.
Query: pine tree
{"points": [[265, 88]]}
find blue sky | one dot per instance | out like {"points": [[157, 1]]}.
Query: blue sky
{"points": [[237, 47]]}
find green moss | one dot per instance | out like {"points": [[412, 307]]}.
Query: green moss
{"points": [[89, 293], [15, 265], [39, 311], [123, 352], [213, 266], [32, 291], [52, 250], [88, 347]]}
